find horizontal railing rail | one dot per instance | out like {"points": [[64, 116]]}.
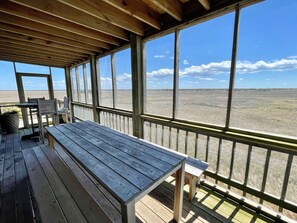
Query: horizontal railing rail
{"points": [[254, 166]]}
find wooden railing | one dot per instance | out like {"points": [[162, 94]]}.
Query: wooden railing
{"points": [[82, 111], [117, 119], [250, 167]]}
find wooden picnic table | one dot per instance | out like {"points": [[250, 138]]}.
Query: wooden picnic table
{"points": [[128, 167]]}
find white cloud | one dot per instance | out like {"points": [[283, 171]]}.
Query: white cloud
{"points": [[171, 58], [292, 57], [105, 79], [124, 77], [167, 51], [59, 82], [276, 65], [160, 73], [206, 71], [185, 62], [206, 78], [159, 56]]}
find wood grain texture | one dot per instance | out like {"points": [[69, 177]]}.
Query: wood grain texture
{"points": [[43, 193], [113, 164]]}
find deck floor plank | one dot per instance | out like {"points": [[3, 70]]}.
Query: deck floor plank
{"points": [[8, 213]]}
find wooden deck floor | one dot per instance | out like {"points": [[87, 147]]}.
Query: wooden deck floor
{"points": [[16, 204]]}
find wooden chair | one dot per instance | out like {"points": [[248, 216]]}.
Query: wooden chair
{"points": [[33, 111], [46, 108], [66, 110]]}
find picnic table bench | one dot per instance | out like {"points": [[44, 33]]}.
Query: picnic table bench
{"points": [[127, 167]]}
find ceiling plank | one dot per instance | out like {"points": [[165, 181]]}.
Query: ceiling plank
{"points": [[24, 38], [38, 50], [107, 13], [40, 56], [172, 7], [35, 52], [34, 60], [37, 46], [38, 27], [205, 4], [49, 20], [23, 60], [64, 12], [45, 36], [138, 10]]}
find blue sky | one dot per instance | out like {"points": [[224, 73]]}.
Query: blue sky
{"points": [[267, 54]]}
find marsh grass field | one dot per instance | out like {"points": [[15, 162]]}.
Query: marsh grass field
{"points": [[271, 111]]}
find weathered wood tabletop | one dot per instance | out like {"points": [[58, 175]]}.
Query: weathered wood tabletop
{"points": [[128, 167]]}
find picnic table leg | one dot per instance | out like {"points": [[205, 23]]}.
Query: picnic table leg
{"points": [[51, 141], [192, 189], [178, 193], [128, 212]]}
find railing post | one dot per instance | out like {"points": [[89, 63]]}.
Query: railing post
{"points": [[95, 91], [137, 84]]}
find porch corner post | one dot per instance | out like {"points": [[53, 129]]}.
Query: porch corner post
{"points": [[95, 91], [69, 89], [137, 84]]}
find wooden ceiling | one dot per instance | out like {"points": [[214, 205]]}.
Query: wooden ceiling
{"points": [[65, 32]]}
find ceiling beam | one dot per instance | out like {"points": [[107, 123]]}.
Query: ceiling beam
{"points": [[107, 13], [25, 48], [24, 38], [64, 12], [39, 27], [23, 51], [43, 57], [137, 9], [49, 20], [45, 36], [37, 46], [205, 4], [172, 7], [34, 60]]}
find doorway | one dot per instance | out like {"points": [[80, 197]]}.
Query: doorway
{"points": [[33, 86]]}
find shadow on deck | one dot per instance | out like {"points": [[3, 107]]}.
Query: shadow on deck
{"points": [[17, 204]]}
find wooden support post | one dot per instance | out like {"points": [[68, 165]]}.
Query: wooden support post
{"points": [[68, 82], [95, 89], [50, 85], [233, 66], [21, 96], [137, 84], [69, 88], [77, 84], [114, 81], [86, 83], [176, 74]]}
